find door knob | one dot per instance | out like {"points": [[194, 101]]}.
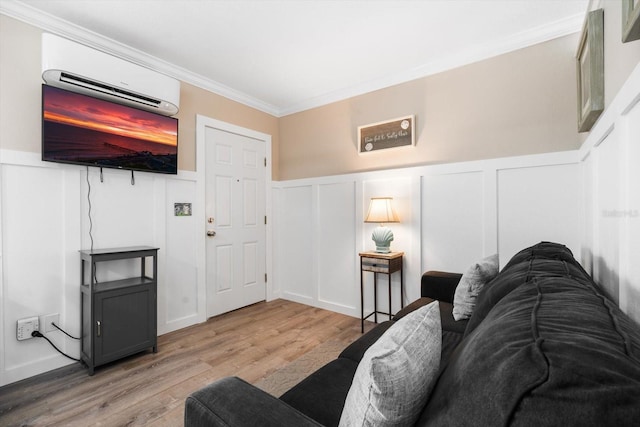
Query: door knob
{"points": [[211, 233]]}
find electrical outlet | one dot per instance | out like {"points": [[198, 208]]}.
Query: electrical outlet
{"points": [[25, 327], [48, 320]]}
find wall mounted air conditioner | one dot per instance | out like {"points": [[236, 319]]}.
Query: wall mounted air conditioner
{"points": [[78, 68]]}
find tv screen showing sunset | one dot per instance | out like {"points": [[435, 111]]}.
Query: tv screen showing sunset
{"points": [[83, 130]]}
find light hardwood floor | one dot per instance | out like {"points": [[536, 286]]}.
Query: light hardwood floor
{"points": [[150, 389]]}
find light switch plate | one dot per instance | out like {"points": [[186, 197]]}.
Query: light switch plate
{"points": [[48, 320]]}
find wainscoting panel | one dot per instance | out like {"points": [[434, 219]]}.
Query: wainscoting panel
{"points": [[541, 203], [336, 240], [607, 220], [122, 215], [297, 266], [630, 254], [452, 220], [588, 201], [179, 284], [34, 220]]}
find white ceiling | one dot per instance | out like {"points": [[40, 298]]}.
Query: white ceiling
{"points": [[285, 56]]}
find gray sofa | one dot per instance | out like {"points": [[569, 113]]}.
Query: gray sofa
{"points": [[544, 346]]}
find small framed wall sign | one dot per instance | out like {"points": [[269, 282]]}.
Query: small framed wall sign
{"points": [[389, 134], [590, 71], [630, 20]]}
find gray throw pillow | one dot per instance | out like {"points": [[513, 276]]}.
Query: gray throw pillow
{"points": [[470, 285], [396, 374]]}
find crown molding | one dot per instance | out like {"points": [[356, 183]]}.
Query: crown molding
{"points": [[47, 22], [63, 28]]}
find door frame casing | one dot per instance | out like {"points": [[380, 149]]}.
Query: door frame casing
{"points": [[202, 123]]}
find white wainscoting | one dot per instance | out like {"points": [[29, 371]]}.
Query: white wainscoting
{"points": [[451, 215], [35, 244], [297, 257], [178, 293], [540, 203], [336, 234], [453, 212], [630, 277], [611, 175], [45, 222]]}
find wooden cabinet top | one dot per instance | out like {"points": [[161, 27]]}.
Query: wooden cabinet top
{"points": [[373, 254]]}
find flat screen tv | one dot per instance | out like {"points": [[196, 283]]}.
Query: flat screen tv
{"points": [[82, 130]]}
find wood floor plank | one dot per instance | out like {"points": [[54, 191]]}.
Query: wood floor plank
{"points": [[150, 388]]}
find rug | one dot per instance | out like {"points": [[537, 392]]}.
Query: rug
{"points": [[285, 378]]}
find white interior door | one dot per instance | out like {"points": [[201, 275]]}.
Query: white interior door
{"points": [[235, 221]]}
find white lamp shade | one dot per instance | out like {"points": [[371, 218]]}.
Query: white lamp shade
{"points": [[381, 210]]}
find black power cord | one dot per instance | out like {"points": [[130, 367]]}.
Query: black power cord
{"points": [[89, 201], [63, 331], [39, 335], [95, 278]]}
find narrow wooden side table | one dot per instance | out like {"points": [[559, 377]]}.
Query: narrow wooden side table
{"points": [[379, 263]]}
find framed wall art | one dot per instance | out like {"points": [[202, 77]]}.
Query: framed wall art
{"points": [[630, 20], [388, 134], [590, 71]]}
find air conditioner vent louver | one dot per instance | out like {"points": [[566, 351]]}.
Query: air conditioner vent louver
{"points": [[113, 90], [72, 66]]}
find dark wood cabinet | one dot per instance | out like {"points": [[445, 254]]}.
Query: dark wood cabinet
{"points": [[119, 316]]}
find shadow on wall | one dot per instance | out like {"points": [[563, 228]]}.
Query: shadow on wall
{"points": [[586, 259], [633, 300], [607, 278], [609, 282]]}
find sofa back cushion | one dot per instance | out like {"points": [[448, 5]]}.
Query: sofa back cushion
{"points": [[544, 259], [551, 351]]}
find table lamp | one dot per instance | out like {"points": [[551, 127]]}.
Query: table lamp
{"points": [[381, 211]]}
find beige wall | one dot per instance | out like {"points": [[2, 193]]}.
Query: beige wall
{"points": [[20, 100], [194, 100], [20, 80], [523, 102]]}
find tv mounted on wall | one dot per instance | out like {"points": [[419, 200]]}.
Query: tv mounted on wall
{"points": [[82, 130]]}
